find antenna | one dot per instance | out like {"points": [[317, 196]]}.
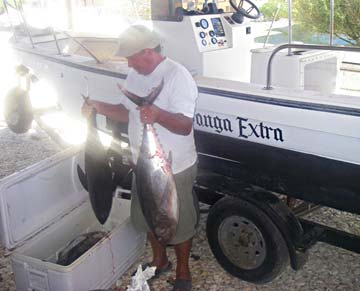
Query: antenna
{"points": [[272, 22]]}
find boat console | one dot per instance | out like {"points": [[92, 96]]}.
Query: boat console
{"points": [[207, 44], [210, 33], [216, 44]]}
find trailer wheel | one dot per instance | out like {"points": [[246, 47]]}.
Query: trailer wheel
{"points": [[18, 110], [245, 241]]}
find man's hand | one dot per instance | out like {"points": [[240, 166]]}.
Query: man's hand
{"points": [[149, 114], [175, 122]]}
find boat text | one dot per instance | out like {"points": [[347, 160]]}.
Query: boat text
{"points": [[245, 128]]}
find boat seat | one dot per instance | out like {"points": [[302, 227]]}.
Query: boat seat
{"points": [[103, 49], [20, 30]]}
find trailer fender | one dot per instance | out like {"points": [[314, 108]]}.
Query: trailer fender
{"points": [[283, 218]]}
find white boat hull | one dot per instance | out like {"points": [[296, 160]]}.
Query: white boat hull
{"points": [[291, 138]]}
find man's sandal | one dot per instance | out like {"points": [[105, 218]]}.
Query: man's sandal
{"points": [[158, 271], [182, 284]]}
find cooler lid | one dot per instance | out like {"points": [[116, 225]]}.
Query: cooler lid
{"points": [[35, 198]]}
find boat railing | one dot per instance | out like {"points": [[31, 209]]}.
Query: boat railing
{"points": [[18, 7], [79, 43], [302, 47]]}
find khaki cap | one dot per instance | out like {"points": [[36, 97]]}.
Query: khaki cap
{"points": [[135, 39]]}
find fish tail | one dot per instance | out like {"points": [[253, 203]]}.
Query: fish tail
{"points": [[154, 93]]}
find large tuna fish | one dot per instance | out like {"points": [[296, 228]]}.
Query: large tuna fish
{"points": [[154, 178]]}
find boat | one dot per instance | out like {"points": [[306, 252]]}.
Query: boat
{"points": [[253, 139]]}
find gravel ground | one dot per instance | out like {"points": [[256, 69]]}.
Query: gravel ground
{"points": [[328, 268]]}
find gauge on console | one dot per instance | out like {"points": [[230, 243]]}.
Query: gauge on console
{"points": [[204, 23]]}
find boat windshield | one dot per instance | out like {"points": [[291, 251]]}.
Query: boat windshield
{"points": [[173, 10]]}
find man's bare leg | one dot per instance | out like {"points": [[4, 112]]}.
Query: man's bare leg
{"points": [[182, 251], [160, 259]]}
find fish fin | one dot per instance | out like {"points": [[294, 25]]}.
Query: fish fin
{"points": [[139, 101], [82, 177], [154, 93], [170, 158]]}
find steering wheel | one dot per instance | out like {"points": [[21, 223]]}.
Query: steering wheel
{"points": [[245, 8]]}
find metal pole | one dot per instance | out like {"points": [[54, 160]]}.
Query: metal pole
{"points": [[331, 21], [21, 11], [8, 14], [69, 14], [18, 12], [290, 25], [56, 41], [133, 3]]}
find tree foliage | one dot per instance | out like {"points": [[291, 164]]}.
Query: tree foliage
{"points": [[314, 16], [269, 9]]}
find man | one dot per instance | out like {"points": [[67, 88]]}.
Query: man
{"points": [[171, 115]]}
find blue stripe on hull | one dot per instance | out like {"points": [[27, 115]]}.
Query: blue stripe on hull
{"points": [[281, 102], [212, 91]]}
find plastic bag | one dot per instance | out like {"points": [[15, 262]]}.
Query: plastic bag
{"points": [[139, 280]]}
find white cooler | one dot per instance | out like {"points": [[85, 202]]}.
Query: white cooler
{"points": [[43, 208]]}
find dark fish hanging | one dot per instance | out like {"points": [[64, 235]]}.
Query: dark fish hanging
{"points": [[154, 178], [98, 177]]}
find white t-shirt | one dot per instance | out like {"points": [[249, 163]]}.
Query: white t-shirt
{"points": [[177, 96]]}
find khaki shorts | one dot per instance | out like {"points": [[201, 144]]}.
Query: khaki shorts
{"points": [[189, 207]]}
